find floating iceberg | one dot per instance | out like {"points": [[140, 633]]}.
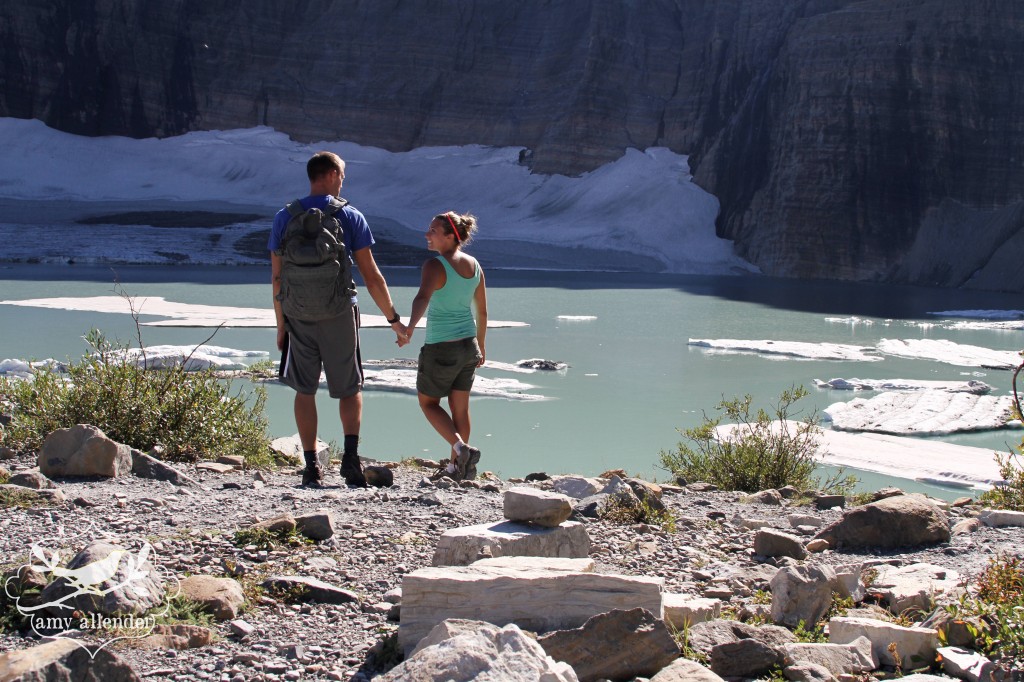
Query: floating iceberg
{"points": [[969, 386], [922, 413], [951, 353], [794, 349], [404, 381], [193, 358]]}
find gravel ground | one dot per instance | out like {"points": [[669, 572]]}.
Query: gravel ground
{"points": [[381, 534]]}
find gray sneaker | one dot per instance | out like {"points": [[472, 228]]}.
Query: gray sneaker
{"points": [[461, 464], [473, 457]]}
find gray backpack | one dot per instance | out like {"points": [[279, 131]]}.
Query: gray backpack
{"points": [[316, 271]]}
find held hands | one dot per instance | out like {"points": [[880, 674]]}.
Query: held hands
{"points": [[402, 333]]}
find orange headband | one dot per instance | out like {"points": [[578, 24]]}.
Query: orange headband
{"points": [[448, 215]]}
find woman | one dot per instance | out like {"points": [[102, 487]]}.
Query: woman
{"points": [[452, 283]]}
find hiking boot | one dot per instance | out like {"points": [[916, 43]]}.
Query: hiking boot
{"points": [[472, 460], [312, 477], [352, 471]]}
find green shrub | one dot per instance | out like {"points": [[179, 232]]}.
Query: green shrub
{"points": [[268, 540], [994, 613], [621, 510], [1009, 495], [194, 414], [757, 455]]}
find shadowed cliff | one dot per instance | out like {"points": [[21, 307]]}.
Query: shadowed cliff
{"points": [[870, 140]]}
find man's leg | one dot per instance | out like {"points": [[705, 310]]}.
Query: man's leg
{"points": [[350, 410], [305, 420], [306, 423]]}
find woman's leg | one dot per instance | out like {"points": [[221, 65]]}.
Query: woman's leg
{"points": [[439, 419], [458, 403]]}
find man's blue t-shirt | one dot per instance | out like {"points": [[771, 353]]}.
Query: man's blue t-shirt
{"points": [[355, 230]]}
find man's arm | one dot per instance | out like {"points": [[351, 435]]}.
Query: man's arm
{"points": [[275, 280], [377, 287], [432, 278]]}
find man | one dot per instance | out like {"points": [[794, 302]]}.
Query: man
{"points": [[316, 342]]}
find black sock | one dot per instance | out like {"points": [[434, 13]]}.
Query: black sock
{"points": [[310, 457], [351, 444]]}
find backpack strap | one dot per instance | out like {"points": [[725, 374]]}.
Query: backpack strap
{"points": [[334, 205]]}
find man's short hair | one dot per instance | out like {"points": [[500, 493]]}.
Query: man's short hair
{"points": [[323, 162]]}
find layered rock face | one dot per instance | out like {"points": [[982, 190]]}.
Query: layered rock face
{"points": [[851, 139]]}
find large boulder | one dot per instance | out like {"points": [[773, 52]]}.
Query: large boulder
{"points": [[685, 670], [222, 597], [743, 658], [902, 521], [64, 659], [620, 644], [104, 579], [529, 505], [801, 594], [703, 637], [83, 450], [461, 650]]}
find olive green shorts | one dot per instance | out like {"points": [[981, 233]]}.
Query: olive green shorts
{"points": [[448, 366]]}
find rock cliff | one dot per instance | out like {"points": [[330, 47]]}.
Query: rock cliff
{"points": [[855, 139]]}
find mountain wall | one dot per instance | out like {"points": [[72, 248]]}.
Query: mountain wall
{"points": [[878, 140]]}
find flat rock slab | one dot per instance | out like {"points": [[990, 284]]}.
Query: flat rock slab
{"points": [[463, 546], [304, 588], [541, 595], [216, 467]]}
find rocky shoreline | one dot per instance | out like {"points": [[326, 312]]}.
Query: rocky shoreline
{"points": [[382, 534]]}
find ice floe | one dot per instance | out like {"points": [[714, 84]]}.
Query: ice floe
{"points": [[577, 318], [152, 357], [969, 386], [997, 326], [193, 358], [190, 314], [530, 366], [793, 349], [928, 461], [922, 413], [13, 368], [852, 320], [404, 381], [949, 352]]}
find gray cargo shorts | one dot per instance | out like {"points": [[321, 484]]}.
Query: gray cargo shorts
{"points": [[331, 345]]}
